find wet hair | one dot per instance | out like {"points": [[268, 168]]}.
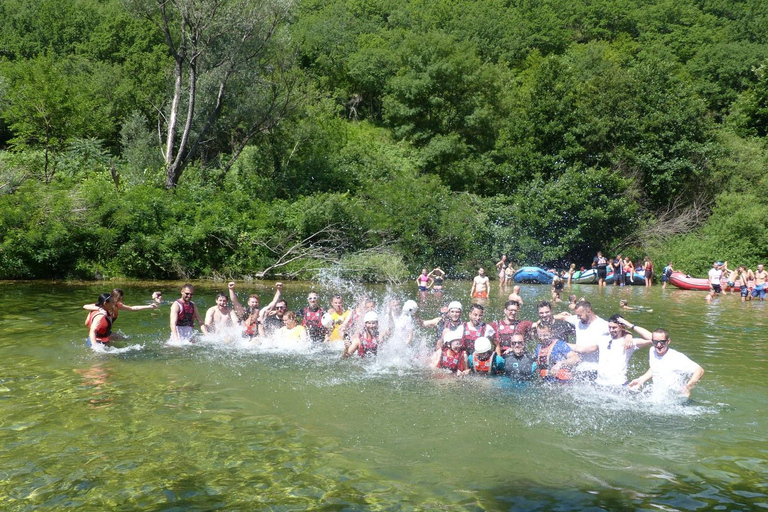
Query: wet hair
{"points": [[544, 304], [220, 295], [282, 301], [253, 296], [623, 301], [477, 306], [615, 319], [512, 303], [187, 285], [117, 293], [104, 298], [290, 315], [662, 331], [572, 298], [584, 304]]}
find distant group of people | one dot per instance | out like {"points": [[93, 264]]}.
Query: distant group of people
{"points": [[749, 284], [622, 268]]}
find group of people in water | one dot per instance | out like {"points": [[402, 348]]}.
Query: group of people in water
{"points": [[742, 280], [569, 346]]}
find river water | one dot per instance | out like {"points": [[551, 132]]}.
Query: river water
{"points": [[231, 426]]}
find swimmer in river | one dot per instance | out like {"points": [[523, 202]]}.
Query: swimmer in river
{"points": [[624, 304], [157, 297], [668, 367]]}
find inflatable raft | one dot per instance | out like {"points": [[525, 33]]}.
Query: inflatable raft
{"points": [[535, 275]]}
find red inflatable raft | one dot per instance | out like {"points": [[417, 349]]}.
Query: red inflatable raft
{"points": [[685, 282]]}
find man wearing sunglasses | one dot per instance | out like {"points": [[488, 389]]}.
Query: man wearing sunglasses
{"points": [[518, 364], [273, 320], [615, 351], [668, 367], [183, 315]]}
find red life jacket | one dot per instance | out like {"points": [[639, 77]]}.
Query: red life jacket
{"points": [[251, 329], [544, 362], [103, 332], [186, 316], [470, 335], [312, 321], [451, 360], [504, 333], [368, 344]]}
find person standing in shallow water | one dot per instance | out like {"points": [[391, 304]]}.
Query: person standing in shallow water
{"points": [[600, 263], [480, 285], [439, 276], [220, 316], [183, 315], [668, 367]]}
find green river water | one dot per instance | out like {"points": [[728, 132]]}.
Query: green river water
{"points": [[216, 426]]}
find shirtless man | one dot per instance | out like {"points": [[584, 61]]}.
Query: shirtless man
{"points": [[183, 315], [480, 285], [220, 315], [761, 278], [515, 295]]}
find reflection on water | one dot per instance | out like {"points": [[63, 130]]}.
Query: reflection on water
{"points": [[229, 424]]}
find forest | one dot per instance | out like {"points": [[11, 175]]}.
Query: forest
{"points": [[195, 139]]}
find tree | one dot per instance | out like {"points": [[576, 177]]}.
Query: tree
{"points": [[226, 55]]}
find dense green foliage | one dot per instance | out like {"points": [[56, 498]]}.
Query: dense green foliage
{"points": [[379, 137]]}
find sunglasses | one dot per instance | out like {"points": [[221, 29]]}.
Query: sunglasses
{"points": [[280, 307], [660, 342], [517, 343]]}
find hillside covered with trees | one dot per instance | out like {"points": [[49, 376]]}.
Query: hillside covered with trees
{"points": [[228, 138]]}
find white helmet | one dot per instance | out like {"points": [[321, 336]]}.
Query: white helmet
{"points": [[327, 321], [455, 305], [370, 316], [454, 335], [483, 344], [410, 306]]}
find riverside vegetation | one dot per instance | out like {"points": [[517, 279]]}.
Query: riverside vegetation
{"points": [[228, 138]]}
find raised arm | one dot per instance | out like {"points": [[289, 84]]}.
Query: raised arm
{"points": [[235, 303], [269, 307]]}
